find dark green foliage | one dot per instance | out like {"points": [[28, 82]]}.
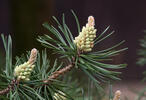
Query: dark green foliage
{"points": [[142, 62], [142, 53]]}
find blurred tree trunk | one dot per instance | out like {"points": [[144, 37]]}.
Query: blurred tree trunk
{"points": [[27, 17]]}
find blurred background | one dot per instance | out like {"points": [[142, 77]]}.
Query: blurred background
{"points": [[23, 20]]}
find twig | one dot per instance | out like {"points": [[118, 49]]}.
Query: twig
{"points": [[10, 87], [59, 73], [64, 70]]}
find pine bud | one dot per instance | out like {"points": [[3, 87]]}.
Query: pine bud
{"points": [[117, 95], [85, 39], [33, 56], [23, 71], [23, 77]]}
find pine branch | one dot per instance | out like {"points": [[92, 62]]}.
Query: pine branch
{"points": [[17, 72], [89, 62], [78, 52]]}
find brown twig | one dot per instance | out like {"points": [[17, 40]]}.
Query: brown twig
{"points": [[10, 87], [62, 71]]}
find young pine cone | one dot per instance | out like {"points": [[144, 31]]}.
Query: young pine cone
{"points": [[23, 71], [117, 95], [85, 39]]}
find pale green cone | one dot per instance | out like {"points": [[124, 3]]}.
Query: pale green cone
{"points": [[86, 37], [117, 95], [23, 71]]}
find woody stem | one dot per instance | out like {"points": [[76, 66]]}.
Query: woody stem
{"points": [[10, 87], [62, 71]]}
